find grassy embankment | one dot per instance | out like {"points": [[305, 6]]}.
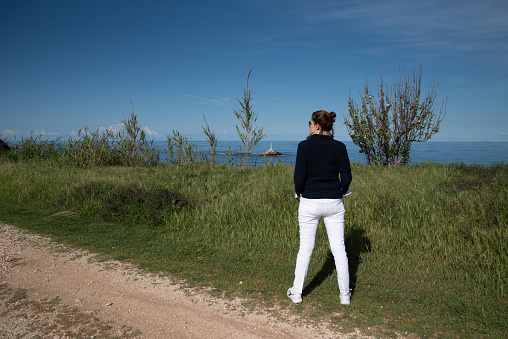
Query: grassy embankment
{"points": [[427, 244]]}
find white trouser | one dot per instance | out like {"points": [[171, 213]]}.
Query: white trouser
{"points": [[309, 212]]}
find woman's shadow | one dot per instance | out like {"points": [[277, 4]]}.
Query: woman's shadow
{"points": [[356, 244]]}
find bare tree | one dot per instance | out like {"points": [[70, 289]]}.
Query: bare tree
{"points": [[384, 129], [248, 133]]}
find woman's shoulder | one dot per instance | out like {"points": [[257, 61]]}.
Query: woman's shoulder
{"points": [[338, 142], [340, 145], [319, 139], [304, 142]]}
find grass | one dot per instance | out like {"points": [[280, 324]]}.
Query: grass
{"points": [[427, 244]]}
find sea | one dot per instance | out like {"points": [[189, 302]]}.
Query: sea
{"points": [[472, 153]]}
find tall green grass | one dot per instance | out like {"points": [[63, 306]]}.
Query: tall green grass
{"points": [[427, 244], [129, 147]]}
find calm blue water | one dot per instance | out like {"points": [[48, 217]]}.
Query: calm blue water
{"points": [[480, 153]]}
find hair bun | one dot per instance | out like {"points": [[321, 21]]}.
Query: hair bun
{"points": [[324, 119]]}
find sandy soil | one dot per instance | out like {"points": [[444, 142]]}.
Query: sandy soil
{"points": [[49, 290]]}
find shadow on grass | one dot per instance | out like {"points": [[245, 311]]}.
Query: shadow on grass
{"points": [[356, 244]]}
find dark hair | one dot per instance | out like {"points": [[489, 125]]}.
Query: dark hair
{"points": [[325, 120]]}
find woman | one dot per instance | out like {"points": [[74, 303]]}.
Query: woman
{"points": [[320, 160]]}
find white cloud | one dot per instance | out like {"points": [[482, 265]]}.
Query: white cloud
{"points": [[434, 27], [120, 127], [213, 101], [10, 132], [150, 132], [112, 128], [73, 133], [116, 128], [452, 137], [40, 132]]}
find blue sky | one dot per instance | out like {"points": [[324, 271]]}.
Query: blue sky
{"points": [[65, 65]]}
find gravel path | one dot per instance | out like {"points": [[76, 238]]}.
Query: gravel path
{"points": [[49, 290]]}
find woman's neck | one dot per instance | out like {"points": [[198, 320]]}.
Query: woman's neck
{"points": [[317, 133]]}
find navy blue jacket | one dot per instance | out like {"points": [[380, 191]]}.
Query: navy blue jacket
{"points": [[320, 160]]}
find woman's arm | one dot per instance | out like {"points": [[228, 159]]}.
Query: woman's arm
{"points": [[345, 171], [300, 175]]}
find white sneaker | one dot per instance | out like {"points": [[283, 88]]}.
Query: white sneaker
{"points": [[296, 298], [345, 299]]}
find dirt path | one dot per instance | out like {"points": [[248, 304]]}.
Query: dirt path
{"points": [[49, 290]]}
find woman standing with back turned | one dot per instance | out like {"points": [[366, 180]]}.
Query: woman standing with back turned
{"points": [[320, 160]]}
